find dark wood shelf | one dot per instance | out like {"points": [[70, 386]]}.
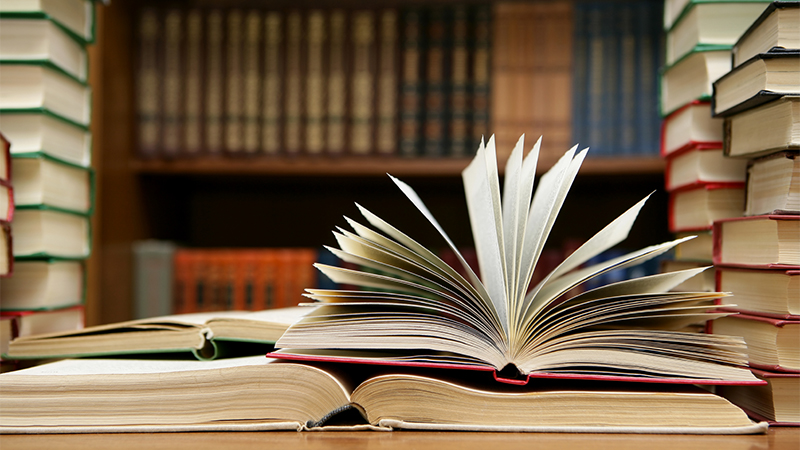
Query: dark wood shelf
{"points": [[369, 166]]}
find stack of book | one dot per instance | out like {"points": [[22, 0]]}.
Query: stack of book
{"points": [[757, 255], [703, 185], [45, 111], [264, 81]]}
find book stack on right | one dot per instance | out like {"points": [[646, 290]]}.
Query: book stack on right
{"points": [[757, 255]]}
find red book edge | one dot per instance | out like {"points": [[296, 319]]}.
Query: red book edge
{"points": [[686, 147], [717, 241], [691, 187], [692, 146], [515, 381]]}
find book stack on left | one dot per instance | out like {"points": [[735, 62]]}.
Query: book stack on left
{"points": [[757, 255], [45, 111], [702, 184]]}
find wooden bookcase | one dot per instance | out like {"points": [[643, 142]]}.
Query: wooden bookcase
{"points": [[289, 201]]}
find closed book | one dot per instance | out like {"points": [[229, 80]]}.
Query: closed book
{"points": [[43, 285], [43, 132], [171, 75], [777, 402], [233, 110], [77, 17], [42, 231], [314, 82], [761, 292], [153, 277], [34, 322], [698, 206], [411, 82], [40, 179], [293, 94], [438, 49], [387, 117], [192, 80], [772, 344], [273, 82], [363, 75], [481, 82], [691, 78], [774, 30], [252, 80], [42, 41], [766, 241], [702, 165], [760, 79], [214, 82], [690, 126], [6, 250], [148, 85], [40, 87], [773, 185], [336, 109], [763, 130], [675, 9]]}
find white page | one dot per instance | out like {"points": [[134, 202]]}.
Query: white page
{"points": [[482, 189]]}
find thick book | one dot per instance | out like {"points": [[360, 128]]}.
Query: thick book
{"points": [[774, 30], [691, 78], [40, 179], [273, 82], [701, 165], [40, 87], [363, 48], [763, 78], [777, 402], [710, 25], [314, 81], [42, 41], [42, 285], [773, 185], [204, 335], [414, 309], [697, 206], [233, 93], [42, 231], [76, 17], [33, 322], [387, 91], [763, 130], [769, 293], [772, 344], [674, 10], [768, 241], [690, 126], [34, 132], [260, 394]]}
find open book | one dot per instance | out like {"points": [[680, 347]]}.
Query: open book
{"points": [[416, 310], [256, 393], [206, 335]]}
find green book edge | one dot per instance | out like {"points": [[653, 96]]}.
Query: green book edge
{"points": [[44, 63], [82, 39], [45, 156]]}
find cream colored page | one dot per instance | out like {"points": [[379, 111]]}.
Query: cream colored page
{"points": [[92, 366]]}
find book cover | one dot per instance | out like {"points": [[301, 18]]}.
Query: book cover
{"points": [[773, 185], [233, 111], [438, 54], [34, 132], [771, 342], [775, 403], [213, 82], [293, 84], [690, 127], [763, 130]]}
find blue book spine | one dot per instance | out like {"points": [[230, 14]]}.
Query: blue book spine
{"points": [[580, 74]]}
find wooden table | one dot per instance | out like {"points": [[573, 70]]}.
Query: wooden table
{"points": [[776, 438]]}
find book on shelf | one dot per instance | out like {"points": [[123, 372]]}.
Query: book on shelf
{"points": [[41, 231], [233, 107], [5, 159], [192, 123], [773, 185], [760, 79], [7, 204], [6, 250], [148, 86], [701, 165], [710, 25], [772, 344], [698, 206], [314, 81], [438, 51], [769, 293], [259, 394], [411, 81], [766, 241], [496, 323], [39, 87], [386, 122], [336, 83], [481, 69], [153, 277], [42, 41], [213, 82], [691, 78], [206, 335], [459, 135], [363, 48], [40, 179], [171, 51], [690, 126], [77, 17], [43, 285], [252, 80], [764, 129], [776, 402], [293, 83], [774, 30], [700, 248]]}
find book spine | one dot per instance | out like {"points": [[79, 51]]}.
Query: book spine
{"points": [[173, 84], [214, 83], [481, 82], [411, 83], [459, 88], [193, 84], [315, 83], [387, 136], [650, 54], [436, 72], [148, 87], [293, 89], [580, 52], [626, 111], [336, 104], [233, 83], [271, 111], [252, 81], [609, 75], [594, 87], [362, 79]]}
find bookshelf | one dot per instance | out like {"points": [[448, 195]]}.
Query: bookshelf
{"points": [[289, 201]]}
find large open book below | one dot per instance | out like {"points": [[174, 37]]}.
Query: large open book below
{"points": [[414, 309], [257, 393], [206, 335]]}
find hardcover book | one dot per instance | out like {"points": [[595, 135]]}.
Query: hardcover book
{"points": [[43, 285], [415, 310], [44, 132], [42, 180], [691, 126], [773, 185], [774, 30], [702, 166], [763, 130], [769, 293], [772, 344], [760, 79], [42, 41], [42, 231], [77, 17], [695, 207], [691, 78], [777, 402], [766, 241]]}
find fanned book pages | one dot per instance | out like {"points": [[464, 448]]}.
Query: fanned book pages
{"points": [[415, 310]]}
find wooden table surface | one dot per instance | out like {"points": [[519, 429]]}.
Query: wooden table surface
{"points": [[776, 438]]}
